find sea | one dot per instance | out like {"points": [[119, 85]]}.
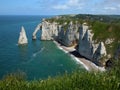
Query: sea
{"points": [[39, 59]]}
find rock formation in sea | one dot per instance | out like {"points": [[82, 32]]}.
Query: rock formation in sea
{"points": [[22, 38], [69, 34], [36, 30], [49, 30], [87, 46]]}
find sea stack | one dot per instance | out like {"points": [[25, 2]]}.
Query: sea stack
{"points": [[22, 38]]}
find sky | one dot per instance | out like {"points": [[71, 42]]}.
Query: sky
{"points": [[59, 7]]}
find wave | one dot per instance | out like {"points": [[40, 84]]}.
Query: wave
{"points": [[16, 44], [79, 62], [34, 54], [58, 45], [73, 57], [62, 49]]}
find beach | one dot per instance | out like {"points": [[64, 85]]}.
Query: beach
{"points": [[87, 64]]}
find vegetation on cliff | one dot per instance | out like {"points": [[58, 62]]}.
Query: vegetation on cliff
{"points": [[104, 27]]}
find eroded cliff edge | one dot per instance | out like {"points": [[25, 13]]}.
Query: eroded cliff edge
{"points": [[69, 34]]}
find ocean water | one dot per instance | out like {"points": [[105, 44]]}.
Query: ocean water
{"points": [[38, 59]]}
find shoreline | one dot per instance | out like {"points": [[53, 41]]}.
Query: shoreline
{"points": [[87, 64]]}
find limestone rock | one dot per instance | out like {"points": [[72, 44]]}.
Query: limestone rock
{"points": [[22, 38], [61, 34], [83, 30], [36, 30], [109, 41], [87, 47], [69, 35], [49, 30], [117, 53], [100, 52]]}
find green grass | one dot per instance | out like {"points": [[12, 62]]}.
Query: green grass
{"points": [[109, 80]]}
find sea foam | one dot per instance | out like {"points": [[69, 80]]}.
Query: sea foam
{"points": [[73, 57]]}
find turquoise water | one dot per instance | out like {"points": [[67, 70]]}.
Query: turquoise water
{"points": [[39, 59]]}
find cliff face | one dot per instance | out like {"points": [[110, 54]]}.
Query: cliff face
{"points": [[22, 38], [36, 30], [68, 37], [52, 31], [117, 53], [87, 47], [49, 30]]}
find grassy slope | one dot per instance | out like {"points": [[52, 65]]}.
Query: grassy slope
{"points": [[109, 80]]}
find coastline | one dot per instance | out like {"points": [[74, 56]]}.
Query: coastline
{"points": [[87, 64]]}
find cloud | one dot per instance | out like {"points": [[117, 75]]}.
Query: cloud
{"points": [[62, 7], [70, 4], [118, 5], [110, 8]]}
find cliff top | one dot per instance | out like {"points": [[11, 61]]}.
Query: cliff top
{"points": [[106, 28]]}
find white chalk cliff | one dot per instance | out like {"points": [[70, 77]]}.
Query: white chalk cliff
{"points": [[68, 37], [22, 38], [49, 30], [100, 52], [36, 30], [87, 47]]}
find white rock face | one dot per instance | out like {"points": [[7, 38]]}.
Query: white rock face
{"points": [[45, 31], [68, 37], [100, 52], [109, 41], [83, 30], [52, 31], [49, 30], [22, 38], [87, 47], [117, 54], [85, 42], [36, 30]]}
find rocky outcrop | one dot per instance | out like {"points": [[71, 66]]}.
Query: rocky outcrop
{"points": [[49, 30], [100, 52], [46, 32], [117, 53], [68, 37], [109, 41], [61, 34], [22, 38], [87, 46], [52, 31], [36, 30]]}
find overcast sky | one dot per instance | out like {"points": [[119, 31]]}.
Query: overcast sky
{"points": [[57, 7]]}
